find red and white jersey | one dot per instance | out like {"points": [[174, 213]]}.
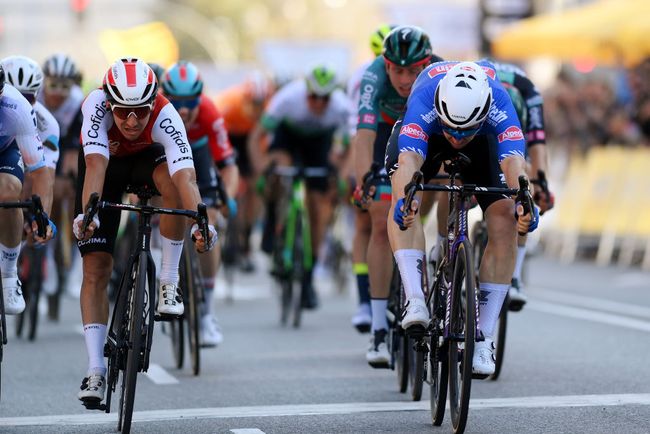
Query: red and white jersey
{"points": [[99, 135]]}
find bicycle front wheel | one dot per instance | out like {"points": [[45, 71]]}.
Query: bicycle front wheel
{"points": [[462, 336], [193, 300], [177, 330], [135, 317], [500, 344], [438, 361]]}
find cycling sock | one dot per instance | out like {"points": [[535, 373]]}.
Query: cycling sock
{"points": [[95, 336], [521, 254], [378, 307], [411, 264], [490, 301], [171, 256], [208, 288], [9, 260], [363, 283]]}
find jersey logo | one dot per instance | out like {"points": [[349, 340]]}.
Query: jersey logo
{"points": [[368, 118], [513, 134], [442, 69], [414, 131]]}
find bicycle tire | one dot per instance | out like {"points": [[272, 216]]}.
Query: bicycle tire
{"points": [[3, 333], [192, 294], [438, 354], [416, 369], [462, 323], [135, 315], [400, 341], [35, 289], [298, 269], [500, 341], [177, 335]]}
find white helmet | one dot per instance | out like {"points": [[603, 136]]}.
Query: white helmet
{"points": [[130, 82], [61, 66], [23, 73], [463, 96]]}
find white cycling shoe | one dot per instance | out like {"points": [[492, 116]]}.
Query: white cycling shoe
{"points": [[362, 319], [416, 313], [13, 296], [210, 334], [170, 300], [483, 360], [93, 388], [378, 355]]}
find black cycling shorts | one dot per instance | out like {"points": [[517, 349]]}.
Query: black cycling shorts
{"points": [[206, 175], [239, 143], [483, 171], [11, 161], [307, 152], [136, 169]]}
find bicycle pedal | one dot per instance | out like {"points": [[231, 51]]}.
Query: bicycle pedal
{"points": [[417, 331], [93, 404], [166, 318], [479, 376]]}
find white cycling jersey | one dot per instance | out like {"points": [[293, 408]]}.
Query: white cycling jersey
{"points": [[67, 111], [289, 107], [17, 122], [48, 131], [99, 135]]}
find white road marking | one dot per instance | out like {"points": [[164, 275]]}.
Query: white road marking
{"points": [[592, 303], [247, 431], [328, 409], [590, 315], [158, 375]]}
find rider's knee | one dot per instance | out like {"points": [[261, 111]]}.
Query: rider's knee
{"points": [[10, 188], [97, 268]]}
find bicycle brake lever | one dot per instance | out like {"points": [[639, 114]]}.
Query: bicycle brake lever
{"points": [[39, 216]]}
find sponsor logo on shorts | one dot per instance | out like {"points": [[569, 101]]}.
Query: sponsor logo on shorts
{"points": [[414, 131], [368, 118], [93, 240], [512, 133]]}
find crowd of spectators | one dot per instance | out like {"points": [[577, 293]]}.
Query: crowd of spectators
{"points": [[596, 110]]}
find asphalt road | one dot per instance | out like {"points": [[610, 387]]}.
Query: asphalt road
{"points": [[576, 362]]}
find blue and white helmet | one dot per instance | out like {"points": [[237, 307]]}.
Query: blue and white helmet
{"points": [[182, 79]]}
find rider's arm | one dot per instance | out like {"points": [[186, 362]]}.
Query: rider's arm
{"points": [[94, 138], [253, 147], [230, 177], [31, 150], [368, 119], [362, 150]]}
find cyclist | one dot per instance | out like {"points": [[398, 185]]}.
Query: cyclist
{"points": [[62, 96], [130, 134], [182, 85], [453, 107], [385, 87], [303, 116], [242, 107], [529, 104], [362, 319], [20, 147]]}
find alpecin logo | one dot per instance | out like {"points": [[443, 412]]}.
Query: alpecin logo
{"points": [[414, 131], [512, 133]]}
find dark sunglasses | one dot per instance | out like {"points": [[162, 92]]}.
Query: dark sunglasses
{"points": [[459, 134], [123, 112], [324, 98], [188, 103], [57, 86], [30, 97]]}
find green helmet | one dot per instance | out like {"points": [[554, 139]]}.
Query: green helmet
{"points": [[406, 46], [378, 36], [519, 103], [321, 81]]}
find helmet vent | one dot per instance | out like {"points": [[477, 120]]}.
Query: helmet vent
{"points": [[463, 83]]}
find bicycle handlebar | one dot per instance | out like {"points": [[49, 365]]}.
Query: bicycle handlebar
{"points": [[35, 207]]}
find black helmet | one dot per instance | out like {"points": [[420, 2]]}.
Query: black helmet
{"points": [[406, 46]]}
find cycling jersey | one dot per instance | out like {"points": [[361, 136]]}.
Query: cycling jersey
{"points": [[99, 135], [379, 101], [513, 75], [48, 131], [353, 91], [68, 116], [17, 122], [421, 120], [209, 129], [233, 103], [288, 107]]}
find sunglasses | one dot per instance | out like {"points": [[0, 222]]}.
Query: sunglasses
{"points": [[57, 86], [459, 134], [123, 112], [30, 97], [188, 103], [323, 98]]}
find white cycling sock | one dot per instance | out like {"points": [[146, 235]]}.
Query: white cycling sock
{"points": [[171, 256], [95, 336], [9, 260], [490, 299], [378, 307], [411, 263], [521, 254]]}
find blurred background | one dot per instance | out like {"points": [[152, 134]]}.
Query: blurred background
{"points": [[589, 59]]}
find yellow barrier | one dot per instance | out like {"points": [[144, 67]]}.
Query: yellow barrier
{"points": [[152, 42]]}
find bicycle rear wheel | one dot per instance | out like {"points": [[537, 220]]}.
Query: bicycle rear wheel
{"points": [[177, 335], [416, 357], [135, 315], [463, 334], [193, 297], [35, 287], [438, 360], [400, 341]]}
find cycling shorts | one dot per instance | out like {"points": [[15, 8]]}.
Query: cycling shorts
{"points": [[484, 170], [135, 169], [239, 143], [11, 161]]}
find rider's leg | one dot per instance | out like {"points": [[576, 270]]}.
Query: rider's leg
{"points": [[517, 298], [380, 263], [10, 236], [362, 318]]}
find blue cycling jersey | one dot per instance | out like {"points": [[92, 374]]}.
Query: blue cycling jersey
{"points": [[421, 121]]}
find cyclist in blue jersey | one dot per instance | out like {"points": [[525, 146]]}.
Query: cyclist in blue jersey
{"points": [[459, 107]]}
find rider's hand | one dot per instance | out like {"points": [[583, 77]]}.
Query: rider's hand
{"points": [[199, 242], [405, 220], [50, 231], [526, 222], [78, 223], [543, 200], [360, 200]]}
